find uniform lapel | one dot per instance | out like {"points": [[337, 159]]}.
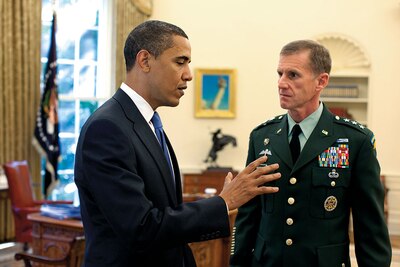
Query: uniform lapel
{"points": [[279, 141], [149, 140], [321, 138]]}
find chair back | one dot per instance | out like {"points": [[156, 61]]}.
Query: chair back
{"points": [[72, 257], [19, 184], [77, 253], [21, 198]]}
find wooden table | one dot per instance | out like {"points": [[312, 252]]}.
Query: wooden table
{"points": [[52, 237], [196, 183], [211, 253]]}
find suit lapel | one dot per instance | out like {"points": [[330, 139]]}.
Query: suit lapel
{"points": [[320, 139], [149, 140], [177, 173]]}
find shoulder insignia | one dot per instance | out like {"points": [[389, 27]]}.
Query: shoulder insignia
{"points": [[358, 126], [352, 123], [270, 121], [373, 142]]}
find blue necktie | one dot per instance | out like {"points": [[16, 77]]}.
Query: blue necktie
{"points": [[156, 120]]}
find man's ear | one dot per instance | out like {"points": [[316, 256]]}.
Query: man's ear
{"points": [[323, 81], [142, 60]]}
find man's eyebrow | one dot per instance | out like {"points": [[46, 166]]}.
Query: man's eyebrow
{"points": [[184, 58]]}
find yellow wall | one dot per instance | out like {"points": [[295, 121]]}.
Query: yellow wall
{"points": [[247, 36]]}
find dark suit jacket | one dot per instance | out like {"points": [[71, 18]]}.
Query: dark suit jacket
{"points": [[132, 214], [306, 223]]}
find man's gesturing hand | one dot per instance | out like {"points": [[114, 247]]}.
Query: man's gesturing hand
{"points": [[249, 183]]}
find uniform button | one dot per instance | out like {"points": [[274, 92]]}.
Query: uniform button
{"points": [[289, 221], [293, 180], [289, 242], [290, 201], [333, 183], [343, 265]]}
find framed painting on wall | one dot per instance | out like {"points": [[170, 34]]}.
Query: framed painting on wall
{"points": [[215, 93]]}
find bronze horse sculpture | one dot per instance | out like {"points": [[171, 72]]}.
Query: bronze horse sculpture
{"points": [[219, 142]]}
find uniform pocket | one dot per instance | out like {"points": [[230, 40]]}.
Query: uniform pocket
{"points": [[329, 191], [333, 255]]}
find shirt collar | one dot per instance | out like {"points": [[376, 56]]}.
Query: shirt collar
{"points": [[308, 124], [144, 107]]}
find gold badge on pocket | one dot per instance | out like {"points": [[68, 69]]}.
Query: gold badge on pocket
{"points": [[330, 203]]}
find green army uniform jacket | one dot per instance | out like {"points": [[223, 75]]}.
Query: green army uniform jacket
{"points": [[306, 223]]}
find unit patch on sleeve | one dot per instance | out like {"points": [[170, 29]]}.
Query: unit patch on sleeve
{"points": [[373, 142]]}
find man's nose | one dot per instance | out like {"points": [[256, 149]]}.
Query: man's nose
{"points": [[282, 82], [187, 75]]}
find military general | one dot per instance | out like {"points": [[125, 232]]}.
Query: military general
{"points": [[330, 173]]}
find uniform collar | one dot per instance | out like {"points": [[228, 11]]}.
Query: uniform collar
{"points": [[308, 124]]}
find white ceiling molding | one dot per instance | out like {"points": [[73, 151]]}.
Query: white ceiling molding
{"points": [[145, 6]]}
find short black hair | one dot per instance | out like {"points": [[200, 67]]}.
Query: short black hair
{"points": [[154, 36]]}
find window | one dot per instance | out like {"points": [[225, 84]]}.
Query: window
{"points": [[83, 74]]}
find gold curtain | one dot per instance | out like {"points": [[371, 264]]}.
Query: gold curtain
{"points": [[20, 31], [130, 13]]}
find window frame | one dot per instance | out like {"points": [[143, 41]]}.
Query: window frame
{"points": [[105, 72]]}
